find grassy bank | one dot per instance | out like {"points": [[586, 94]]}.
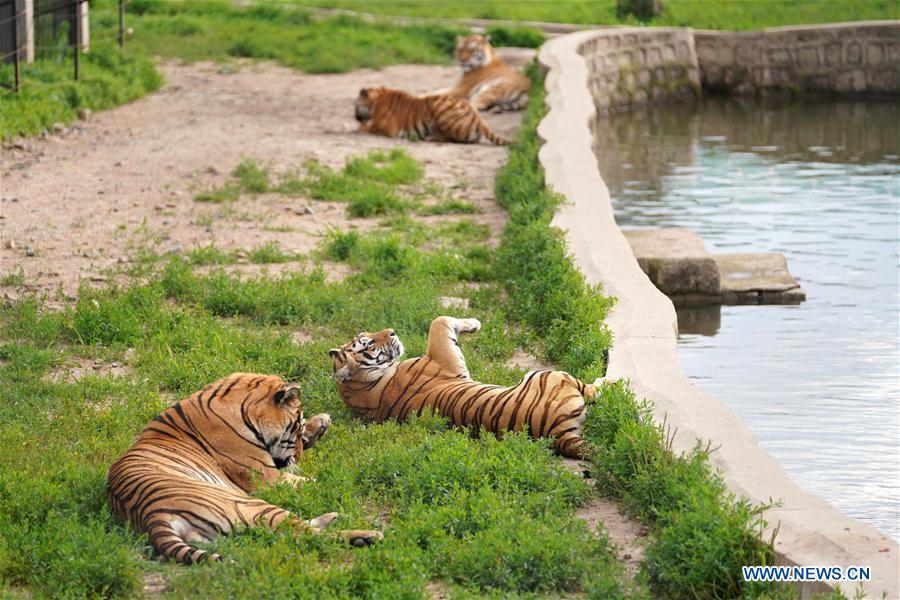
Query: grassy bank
{"points": [[700, 14], [461, 515], [701, 534], [221, 30], [50, 95]]}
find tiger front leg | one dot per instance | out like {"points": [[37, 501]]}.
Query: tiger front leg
{"points": [[443, 343], [314, 428]]}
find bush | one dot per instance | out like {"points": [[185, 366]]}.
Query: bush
{"points": [[521, 37]]}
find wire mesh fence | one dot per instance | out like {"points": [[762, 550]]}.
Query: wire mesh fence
{"points": [[50, 30]]}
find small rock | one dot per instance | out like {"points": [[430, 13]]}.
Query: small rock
{"points": [[304, 210], [454, 302], [58, 128], [85, 114], [174, 250], [626, 556], [99, 278], [29, 251], [10, 244], [10, 297], [171, 204], [885, 549], [118, 163]]}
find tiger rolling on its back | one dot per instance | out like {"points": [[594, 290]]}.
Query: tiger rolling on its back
{"points": [[394, 113], [487, 81], [373, 384], [189, 475]]}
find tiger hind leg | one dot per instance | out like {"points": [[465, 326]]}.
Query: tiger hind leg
{"points": [[570, 444], [511, 104], [443, 343]]}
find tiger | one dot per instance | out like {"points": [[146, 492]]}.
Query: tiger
{"points": [[394, 113], [487, 81], [189, 475], [374, 384]]}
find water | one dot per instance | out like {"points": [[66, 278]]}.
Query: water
{"points": [[819, 383]]}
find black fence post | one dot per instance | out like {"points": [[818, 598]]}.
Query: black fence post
{"points": [[121, 23], [76, 21], [16, 46]]}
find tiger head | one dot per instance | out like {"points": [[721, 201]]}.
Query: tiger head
{"points": [[270, 410], [473, 51], [366, 357], [365, 103]]}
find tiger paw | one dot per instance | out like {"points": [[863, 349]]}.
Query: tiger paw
{"points": [[362, 537], [323, 521], [469, 325], [314, 428]]}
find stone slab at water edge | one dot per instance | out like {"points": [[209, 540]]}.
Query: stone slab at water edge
{"points": [[676, 261]]}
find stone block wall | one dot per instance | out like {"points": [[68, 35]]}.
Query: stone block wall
{"points": [[845, 58], [633, 67]]}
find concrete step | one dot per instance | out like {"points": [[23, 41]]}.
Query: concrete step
{"points": [[676, 261]]}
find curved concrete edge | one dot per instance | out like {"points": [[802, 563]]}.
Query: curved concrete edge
{"points": [[644, 327]]}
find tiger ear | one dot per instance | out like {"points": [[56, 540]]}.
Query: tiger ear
{"points": [[287, 396], [364, 93]]}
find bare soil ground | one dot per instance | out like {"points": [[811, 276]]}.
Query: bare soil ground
{"points": [[75, 202]]}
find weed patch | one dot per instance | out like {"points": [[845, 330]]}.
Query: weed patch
{"points": [[49, 95]]}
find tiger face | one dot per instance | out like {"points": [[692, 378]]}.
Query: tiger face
{"points": [[473, 51], [365, 103], [367, 356], [275, 418]]}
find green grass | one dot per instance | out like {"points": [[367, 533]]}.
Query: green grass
{"points": [[270, 253], [522, 37], [222, 31], [12, 279], [700, 14], [481, 516], [369, 184], [546, 289], [50, 95], [449, 206]]}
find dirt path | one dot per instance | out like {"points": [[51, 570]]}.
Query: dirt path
{"points": [[73, 202]]}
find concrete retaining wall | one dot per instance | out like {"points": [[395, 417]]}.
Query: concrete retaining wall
{"points": [[633, 67], [644, 326], [845, 58]]}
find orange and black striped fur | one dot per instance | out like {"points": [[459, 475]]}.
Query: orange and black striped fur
{"points": [[394, 113], [487, 81], [374, 385], [189, 475]]}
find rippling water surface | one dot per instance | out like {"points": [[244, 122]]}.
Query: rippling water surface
{"points": [[818, 383]]}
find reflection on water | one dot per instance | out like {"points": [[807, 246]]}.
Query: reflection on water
{"points": [[819, 383]]}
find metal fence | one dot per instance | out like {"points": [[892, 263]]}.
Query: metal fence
{"points": [[46, 30]]}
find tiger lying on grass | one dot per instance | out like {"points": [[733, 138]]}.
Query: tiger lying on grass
{"points": [[373, 385], [394, 113], [189, 475], [487, 81]]}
